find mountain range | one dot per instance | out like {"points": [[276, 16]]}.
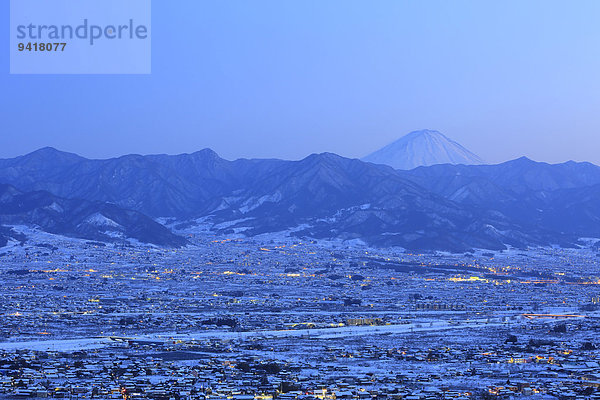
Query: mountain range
{"points": [[519, 203]]}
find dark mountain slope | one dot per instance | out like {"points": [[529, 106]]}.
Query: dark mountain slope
{"points": [[80, 218], [506, 180], [155, 185], [561, 198]]}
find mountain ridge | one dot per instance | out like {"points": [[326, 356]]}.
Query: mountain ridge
{"points": [[328, 196]]}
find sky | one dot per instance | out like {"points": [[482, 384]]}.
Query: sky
{"points": [[284, 79]]}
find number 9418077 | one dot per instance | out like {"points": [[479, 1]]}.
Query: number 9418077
{"points": [[42, 46]]}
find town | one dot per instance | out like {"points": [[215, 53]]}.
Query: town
{"points": [[285, 318]]}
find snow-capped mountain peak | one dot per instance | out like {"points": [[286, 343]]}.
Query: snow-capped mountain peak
{"points": [[423, 148]]}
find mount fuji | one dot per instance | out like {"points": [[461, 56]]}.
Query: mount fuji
{"points": [[423, 148]]}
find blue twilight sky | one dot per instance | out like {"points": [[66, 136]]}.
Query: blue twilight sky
{"points": [[289, 78]]}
